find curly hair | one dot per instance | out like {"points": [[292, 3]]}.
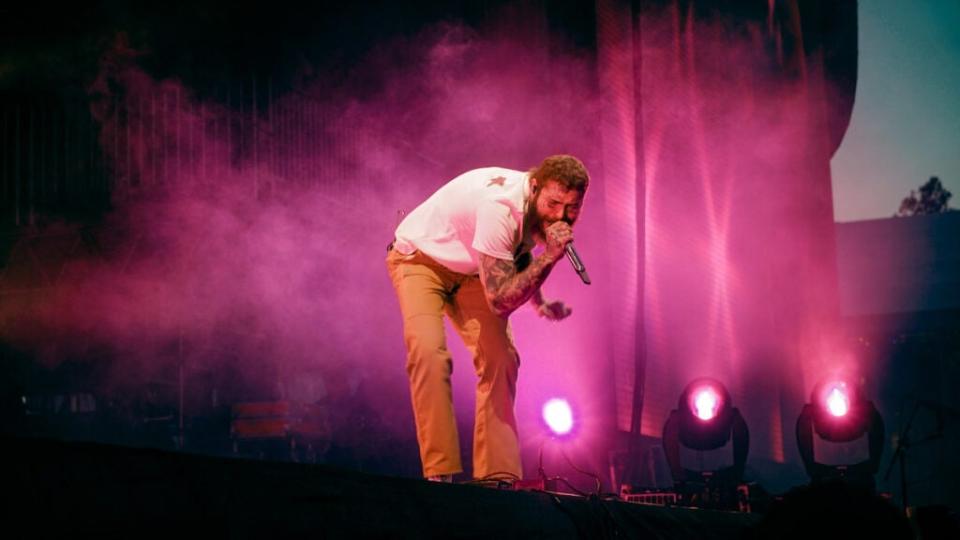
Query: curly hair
{"points": [[567, 170]]}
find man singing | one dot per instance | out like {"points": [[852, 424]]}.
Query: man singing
{"points": [[466, 252]]}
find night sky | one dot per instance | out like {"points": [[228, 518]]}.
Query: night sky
{"points": [[906, 117]]}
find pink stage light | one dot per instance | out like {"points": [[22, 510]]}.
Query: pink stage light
{"points": [[837, 400], [706, 403], [558, 416]]}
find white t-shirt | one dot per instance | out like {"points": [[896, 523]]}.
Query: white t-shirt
{"points": [[480, 211]]}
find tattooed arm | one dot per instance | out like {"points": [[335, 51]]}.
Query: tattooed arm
{"points": [[537, 299], [506, 289]]}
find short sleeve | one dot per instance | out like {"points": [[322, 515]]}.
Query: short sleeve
{"points": [[495, 231]]}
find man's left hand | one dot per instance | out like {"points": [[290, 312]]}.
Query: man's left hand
{"points": [[553, 310]]}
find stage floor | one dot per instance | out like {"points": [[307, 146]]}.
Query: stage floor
{"points": [[92, 489]]}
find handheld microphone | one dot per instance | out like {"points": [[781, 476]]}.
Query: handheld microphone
{"points": [[577, 263]]}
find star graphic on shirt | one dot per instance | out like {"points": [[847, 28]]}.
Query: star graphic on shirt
{"points": [[498, 181]]}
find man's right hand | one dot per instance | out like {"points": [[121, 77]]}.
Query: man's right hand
{"points": [[558, 236]]}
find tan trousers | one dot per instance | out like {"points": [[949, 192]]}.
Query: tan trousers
{"points": [[426, 291]]}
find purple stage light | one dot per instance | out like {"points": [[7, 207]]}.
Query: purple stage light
{"points": [[706, 404], [558, 416], [837, 400], [705, 399]]}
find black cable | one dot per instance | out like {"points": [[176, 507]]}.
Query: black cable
{"points": [[581, 471], [540, 471], [602, 524], [571, 486], [607, 524]]}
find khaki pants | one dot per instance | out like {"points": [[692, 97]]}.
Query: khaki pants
{"points": [[426, 291]]}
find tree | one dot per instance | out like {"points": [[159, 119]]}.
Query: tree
{"points": [[933, 199]]}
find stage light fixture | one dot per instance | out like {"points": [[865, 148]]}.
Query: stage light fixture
{"points": [[558, 416], [560, 425], [837, 401], [705, 419], [838, 412], [706, 403]]}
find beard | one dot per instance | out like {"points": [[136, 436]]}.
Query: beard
{"points": [[535, 223], [538, 228]]}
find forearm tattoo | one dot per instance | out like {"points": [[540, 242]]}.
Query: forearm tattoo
{"points": [[508, 289]]}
